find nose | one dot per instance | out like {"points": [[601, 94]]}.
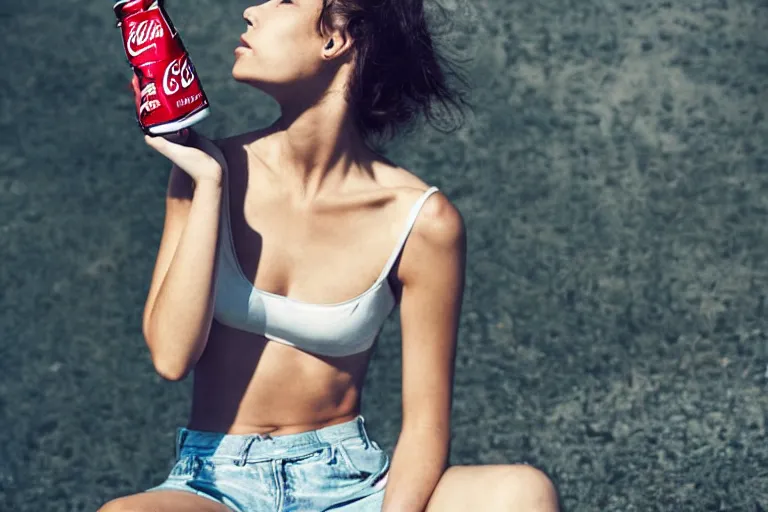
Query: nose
{"points": [[248, 16]]}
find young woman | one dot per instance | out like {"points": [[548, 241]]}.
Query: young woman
{"points": [[283, 252]]}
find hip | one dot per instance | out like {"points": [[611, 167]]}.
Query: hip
{"points": [[311, 470]]}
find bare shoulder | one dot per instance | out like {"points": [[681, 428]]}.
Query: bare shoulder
{"points": [[439, 230], [436, 246], [439, 225]]}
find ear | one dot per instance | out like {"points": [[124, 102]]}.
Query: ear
{"points": [[335, 45]]}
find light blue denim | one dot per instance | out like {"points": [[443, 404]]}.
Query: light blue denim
{"points": [[337, 468]]}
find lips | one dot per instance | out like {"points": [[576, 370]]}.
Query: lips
{"points": [[243, 42]]}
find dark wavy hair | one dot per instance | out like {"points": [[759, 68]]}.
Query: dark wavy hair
{"points": [[398, 74]]}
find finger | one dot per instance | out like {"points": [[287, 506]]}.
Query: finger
{"points": [[134, 86]]}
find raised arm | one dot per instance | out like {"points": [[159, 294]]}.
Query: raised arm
{"points": [[179, 308]]}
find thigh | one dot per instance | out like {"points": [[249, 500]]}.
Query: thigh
{"points": [[164, 501], [507, 487], [370, 503]]}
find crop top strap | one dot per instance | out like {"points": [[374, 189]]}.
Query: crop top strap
{"points": [[415, 209]]}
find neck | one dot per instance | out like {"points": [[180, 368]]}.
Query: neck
{"points": [[316, 148]]}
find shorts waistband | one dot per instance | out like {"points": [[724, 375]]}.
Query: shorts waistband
{"points": [[255, 447]]}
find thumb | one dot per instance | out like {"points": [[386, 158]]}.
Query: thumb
{"points": [[134, 87], [158, 143]]}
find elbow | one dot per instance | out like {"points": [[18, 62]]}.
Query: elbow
{"points": [[171, 375], [173, 354], [170, 370], [170, 367]]}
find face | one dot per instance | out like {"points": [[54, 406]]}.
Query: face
{"points": [[281, 44]]}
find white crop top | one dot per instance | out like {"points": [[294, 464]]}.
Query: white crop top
{"points": [[340, 329]]}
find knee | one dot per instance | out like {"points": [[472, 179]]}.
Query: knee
{"points": [[118, 505], [530, 490]]}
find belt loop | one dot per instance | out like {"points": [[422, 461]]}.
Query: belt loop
{"points": [[244, 453], [363, 432], [181, 436]]}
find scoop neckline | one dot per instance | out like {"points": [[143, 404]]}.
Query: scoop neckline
{"points": [[254, 288]]}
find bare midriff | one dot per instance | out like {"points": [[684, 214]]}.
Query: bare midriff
{"points": [[246, 384]]}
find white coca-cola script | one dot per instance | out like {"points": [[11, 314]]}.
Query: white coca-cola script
{"points": [[148, 107], [141, 34], [179, 70], [148, 104], [149, 90], [188, 100]]}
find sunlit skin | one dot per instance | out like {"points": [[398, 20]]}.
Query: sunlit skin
{"points": [[315, 214]]}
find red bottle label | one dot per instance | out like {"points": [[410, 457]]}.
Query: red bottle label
{"points": [[170, 90], [171, 94]]}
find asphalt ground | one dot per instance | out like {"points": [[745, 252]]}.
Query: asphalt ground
{"points": [[614, 183]]}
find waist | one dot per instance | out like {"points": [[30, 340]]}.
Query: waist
{"points": [[273, 423], [260, 447]]}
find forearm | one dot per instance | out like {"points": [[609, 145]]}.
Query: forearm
{"points": [[181, 317], [418, 462]]}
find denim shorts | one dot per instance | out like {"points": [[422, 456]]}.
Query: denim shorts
{"points": [[335, 468]]}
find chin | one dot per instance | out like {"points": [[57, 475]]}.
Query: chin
{"points": [[239, 76], [242, 72]]}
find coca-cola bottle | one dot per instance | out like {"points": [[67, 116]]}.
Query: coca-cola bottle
{"points": [[171, 96]]}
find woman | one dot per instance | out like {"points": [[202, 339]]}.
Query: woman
{"points": [[263, 282]]}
